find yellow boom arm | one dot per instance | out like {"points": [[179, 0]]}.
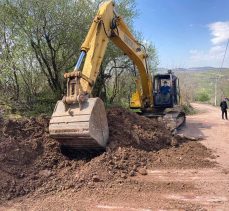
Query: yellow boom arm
{"points": [[107, 25]]}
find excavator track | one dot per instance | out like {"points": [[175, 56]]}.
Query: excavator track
{"points": [[173, 118]]}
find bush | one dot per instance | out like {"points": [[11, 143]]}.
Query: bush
{"points": [[188, 109], [202, 96]]}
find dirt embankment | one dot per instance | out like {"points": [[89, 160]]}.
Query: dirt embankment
{"points": [[31, 162]]}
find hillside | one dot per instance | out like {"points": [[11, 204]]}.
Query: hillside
{"points": [[197, 84], [194, 69]]}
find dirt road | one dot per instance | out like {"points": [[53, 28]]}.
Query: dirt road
{"points": [[215, 131], [175, 187]]}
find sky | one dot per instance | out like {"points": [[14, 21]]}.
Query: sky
{"points": [[186, 33]]}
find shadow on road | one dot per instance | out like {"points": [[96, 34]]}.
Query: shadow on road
{"points": [[194, 129]]}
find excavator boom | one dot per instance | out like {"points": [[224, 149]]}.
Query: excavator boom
{"points": [[79, 121]]}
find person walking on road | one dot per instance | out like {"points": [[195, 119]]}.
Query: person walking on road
{"points": [[223, 106]]}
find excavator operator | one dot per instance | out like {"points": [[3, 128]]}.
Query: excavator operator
{"points": [[165, 89], [165, 93]]}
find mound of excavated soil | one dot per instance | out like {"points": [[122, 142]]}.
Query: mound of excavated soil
{"points": [[31, 162], [131, 130]]}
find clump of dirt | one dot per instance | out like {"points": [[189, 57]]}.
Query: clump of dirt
{"points": [[32, 162]]}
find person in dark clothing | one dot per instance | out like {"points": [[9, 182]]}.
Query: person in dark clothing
{"points": [[165, 89], [223, 106], [165, 93]]}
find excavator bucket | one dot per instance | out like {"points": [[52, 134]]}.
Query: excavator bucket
{"points": [[80, 127]]}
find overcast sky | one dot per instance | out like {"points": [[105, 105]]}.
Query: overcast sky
{"points": [[186, 33]]}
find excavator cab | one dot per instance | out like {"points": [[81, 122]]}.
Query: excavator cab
{"points": [[166, 100], [166, 92]]}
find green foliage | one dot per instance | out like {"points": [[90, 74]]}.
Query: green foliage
{"points": [[200, 85], [202, 96], [49, 32], [188, 109], [40, 40], [42, 106]]}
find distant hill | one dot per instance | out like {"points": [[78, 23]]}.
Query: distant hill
{"points": [[206, 68], [195, 69]]}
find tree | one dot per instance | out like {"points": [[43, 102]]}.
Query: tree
{"points": [[42, 40], [49, 29]]}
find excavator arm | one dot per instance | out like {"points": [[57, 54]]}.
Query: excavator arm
{"points": [[78, 120], [107, 25]]}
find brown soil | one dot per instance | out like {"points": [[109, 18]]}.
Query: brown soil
{"points": [[33, 163]]}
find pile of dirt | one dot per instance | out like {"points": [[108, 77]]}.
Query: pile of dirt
{"points": [[32, 162], [128, 129]]}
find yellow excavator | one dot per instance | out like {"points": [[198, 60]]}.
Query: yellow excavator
{"points": [[79, 120]]}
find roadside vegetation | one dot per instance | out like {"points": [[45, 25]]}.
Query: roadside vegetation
{"points": [[199, 86]]}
